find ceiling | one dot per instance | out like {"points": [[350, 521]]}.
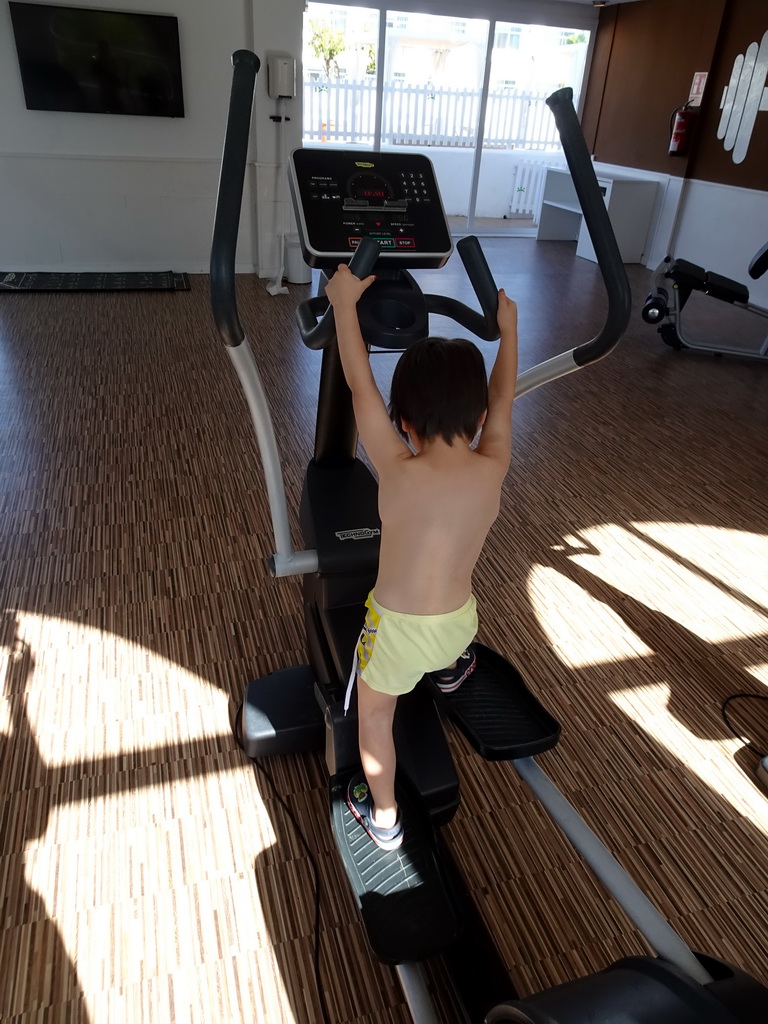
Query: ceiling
{"points": [[608, 3]]}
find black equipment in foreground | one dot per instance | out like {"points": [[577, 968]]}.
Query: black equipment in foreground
{"points": [[681, 278], [412, 901]]}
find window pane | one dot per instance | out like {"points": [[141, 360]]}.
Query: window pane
{"points": [[433, 79], [433, 76], [528, 63], [339, 58]]}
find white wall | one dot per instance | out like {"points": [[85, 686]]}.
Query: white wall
{"points": [[101, 191], [721, 227], [277, 29]]}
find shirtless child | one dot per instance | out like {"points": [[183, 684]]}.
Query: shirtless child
{"points": [[436, 509]]}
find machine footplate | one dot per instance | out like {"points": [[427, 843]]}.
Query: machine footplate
{"points": [[406, 906], [497, 712]]}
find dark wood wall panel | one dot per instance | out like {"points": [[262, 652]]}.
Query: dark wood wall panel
{"points": [[746, 22], [654, 48]]}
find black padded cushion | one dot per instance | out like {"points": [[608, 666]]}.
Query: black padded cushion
{"points": [[687, 275], [724, 288], [759, 263]]}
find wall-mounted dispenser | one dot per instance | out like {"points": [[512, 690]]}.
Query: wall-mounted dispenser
{"points": [[281, 77]]}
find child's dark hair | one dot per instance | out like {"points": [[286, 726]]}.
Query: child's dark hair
{"points": [[440, 389]]}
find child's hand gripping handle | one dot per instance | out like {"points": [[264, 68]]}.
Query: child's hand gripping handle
{"points": [[317, 334]]}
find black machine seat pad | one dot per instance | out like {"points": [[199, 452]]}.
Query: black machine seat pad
{"points": [[725, 288], [405, 902], [687, 275], [691, 277], [497, 712]]}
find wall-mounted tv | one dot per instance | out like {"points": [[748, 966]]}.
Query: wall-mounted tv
{"points": [[98, 62]]}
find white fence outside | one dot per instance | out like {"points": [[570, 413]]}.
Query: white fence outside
{"points": [[415, 115], [521, 124]]}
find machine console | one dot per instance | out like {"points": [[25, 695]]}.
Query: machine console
{"points": [[342, 196]]}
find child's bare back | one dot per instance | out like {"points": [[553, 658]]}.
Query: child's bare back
{"points": [[436, 506], [436, 510]]}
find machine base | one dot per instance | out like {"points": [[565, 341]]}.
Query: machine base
{"points": [[280, 714]]}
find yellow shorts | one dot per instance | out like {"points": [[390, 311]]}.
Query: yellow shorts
{"points": [[395, 649]]}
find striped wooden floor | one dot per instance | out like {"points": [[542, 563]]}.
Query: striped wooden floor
{"points": [[146, 874]]}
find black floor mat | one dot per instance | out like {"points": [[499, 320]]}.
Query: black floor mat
{"points": [[23, 281]]}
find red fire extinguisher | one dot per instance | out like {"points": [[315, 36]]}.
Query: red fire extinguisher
{"points": [[679, 130]]}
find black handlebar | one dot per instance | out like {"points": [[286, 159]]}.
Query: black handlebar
{"points": [[759, 263], [230, 197], [599, 227], [483, 325], [317, 334]]}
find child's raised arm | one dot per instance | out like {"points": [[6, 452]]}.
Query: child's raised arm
{"points": [[496, 438], [376, 431]]}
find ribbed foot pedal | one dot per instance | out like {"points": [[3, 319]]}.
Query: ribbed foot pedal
{"points": [[497, 713], [406, 906]]}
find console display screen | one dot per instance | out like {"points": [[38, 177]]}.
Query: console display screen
{"points": [[342, 196]]}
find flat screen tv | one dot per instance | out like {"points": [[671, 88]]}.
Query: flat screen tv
{"points": [[98, 62]]}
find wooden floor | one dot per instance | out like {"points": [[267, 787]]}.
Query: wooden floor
{"points": [[146, 873]]}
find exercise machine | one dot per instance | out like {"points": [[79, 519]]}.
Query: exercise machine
{"points": [[675, 280], [355, 206]]}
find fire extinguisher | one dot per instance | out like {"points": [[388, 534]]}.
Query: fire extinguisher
{"points": [[679, 130]]}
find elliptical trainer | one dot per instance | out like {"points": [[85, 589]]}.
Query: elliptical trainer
{"points": [[411, 901]]}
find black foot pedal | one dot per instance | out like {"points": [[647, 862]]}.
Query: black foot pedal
{"points": [[497, 712], [406, 906]]}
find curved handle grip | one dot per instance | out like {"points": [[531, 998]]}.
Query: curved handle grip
{"points": [[230, 196], [482, 325], [317, 334], [481, 278], [599, 226]]}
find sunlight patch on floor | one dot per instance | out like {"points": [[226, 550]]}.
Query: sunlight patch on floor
{"points": [[736, 558], [711, 603], [143, 855], [584, 631], [712, 761], [759, 671]]}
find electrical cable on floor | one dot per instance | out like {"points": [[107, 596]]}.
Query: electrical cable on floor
{"points": [[724, 705], [316, 873]]}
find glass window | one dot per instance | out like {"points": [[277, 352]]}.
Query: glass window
{"points": [[339, 58]]}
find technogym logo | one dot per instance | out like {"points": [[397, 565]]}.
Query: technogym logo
{"points": [[361, 533], [744, 96]]}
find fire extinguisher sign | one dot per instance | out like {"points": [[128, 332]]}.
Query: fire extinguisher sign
{"points": [[697, 88]]}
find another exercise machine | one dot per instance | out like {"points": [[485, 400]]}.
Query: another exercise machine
{"points": [[673, 282], [355, 207]]}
